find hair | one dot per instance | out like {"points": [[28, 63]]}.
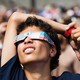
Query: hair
{"points": [[44, 26]]}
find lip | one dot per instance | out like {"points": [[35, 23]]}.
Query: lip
{"points": [[28, 46]]}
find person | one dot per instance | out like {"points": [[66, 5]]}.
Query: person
{"points": [[35, 50], [67, 59]]}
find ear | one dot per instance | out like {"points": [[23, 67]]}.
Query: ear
{"points": [[53, 51]]}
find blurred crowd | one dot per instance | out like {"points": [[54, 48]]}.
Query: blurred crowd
{"points": [[59, 14]]}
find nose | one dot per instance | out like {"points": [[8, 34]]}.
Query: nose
{"points": [[28, 40]]}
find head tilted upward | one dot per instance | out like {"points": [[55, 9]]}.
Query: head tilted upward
{"points": [[34, 25]]}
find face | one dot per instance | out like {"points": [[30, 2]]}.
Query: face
{"points": [[34, 50]]}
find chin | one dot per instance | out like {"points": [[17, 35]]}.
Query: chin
{"points": [[28, 61]]}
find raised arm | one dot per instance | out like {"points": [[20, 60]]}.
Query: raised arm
{"points": [[9, 49], [58, 27]]}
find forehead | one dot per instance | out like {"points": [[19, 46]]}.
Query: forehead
{"points": [[31, 29]]}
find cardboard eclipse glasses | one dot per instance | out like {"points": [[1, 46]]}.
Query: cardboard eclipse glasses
{"points": [[34, 35]]}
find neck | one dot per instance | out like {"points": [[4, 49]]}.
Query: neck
{"points": [[37, 71]]}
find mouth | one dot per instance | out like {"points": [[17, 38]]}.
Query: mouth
{"points": [[29, 50]]}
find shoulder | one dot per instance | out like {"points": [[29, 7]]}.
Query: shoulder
{"points": [[67, 76], [10, 62], [11, 70]]}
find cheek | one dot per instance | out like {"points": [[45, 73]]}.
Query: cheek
{"points": [[20, 53], [43, 49], [20, 49]]}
